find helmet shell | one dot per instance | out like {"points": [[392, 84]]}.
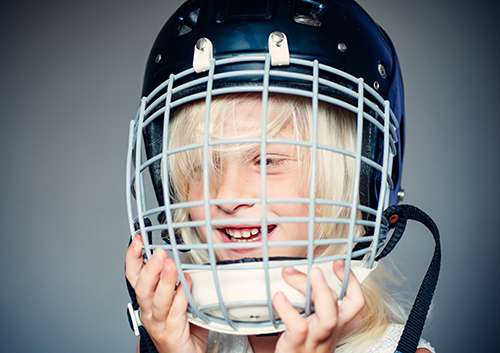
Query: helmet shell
{"points": [[338, 33]]}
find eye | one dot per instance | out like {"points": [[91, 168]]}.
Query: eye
{"points": [[279, 159], [270, 160], [274, 164], [274, 161]]}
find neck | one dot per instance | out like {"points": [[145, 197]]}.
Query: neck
{"points": [[263, 344]]}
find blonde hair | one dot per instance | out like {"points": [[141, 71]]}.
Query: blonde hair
{"points": [[334, 181]]}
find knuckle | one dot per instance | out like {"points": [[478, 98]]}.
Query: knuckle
{"points": [[146, 321], [335, 297], [329, 324], [158, 306], [175, 311], [130, 278], [361, 302], [141, 293], [301, 328], [155, 330]]}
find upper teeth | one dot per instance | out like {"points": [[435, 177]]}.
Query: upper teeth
{"points": [[243, 233]]}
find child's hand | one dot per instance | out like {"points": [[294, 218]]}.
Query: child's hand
{"points": [[318, 332], [163, 306]]}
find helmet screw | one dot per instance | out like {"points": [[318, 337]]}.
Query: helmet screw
{"points": [[382, 70], [278, 38], [376, 85], [158, 58], [342, 47], [401, 195], [393, 219], [201, 44]]}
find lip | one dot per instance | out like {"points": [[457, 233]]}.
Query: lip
{"points": [[241, 228]]}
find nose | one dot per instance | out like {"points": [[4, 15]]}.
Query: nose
{"points": [[238, 186]]}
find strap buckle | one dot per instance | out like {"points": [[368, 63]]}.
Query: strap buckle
{"points": [[134, 318]]}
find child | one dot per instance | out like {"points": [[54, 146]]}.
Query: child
{"points": [[271, 163]]}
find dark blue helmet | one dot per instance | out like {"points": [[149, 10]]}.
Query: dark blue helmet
{"points": [[336, 33]]}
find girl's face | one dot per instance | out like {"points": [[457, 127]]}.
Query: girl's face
{"points": [[240, 178]]}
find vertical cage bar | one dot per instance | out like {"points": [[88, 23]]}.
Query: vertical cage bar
{"points": [[139, 180], [168, 205], [128, 178], [263, 186], [206, 196], [356, 181], [312, 185], [386, 164]]}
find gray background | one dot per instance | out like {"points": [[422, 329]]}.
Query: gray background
{"points": [[70, 80]]}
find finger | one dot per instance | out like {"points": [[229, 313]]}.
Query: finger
{"points": [[180, 302], [354, 299], [325, 304], [148, 280], [296, 326], [324, 298], [295, 278], [165, 290], [134, 260], [177, 323]]}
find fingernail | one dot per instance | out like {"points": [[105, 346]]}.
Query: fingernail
{"points": [[318, 274], [280, 296], [341, 263], [167, 270], [291, 270], [136, 242], [157, 257]]}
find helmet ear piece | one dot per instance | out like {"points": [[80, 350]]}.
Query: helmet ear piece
{"points": [[366, 173], [153, 140]]}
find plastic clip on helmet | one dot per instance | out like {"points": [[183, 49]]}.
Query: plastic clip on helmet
{"points": [[326, 51]]}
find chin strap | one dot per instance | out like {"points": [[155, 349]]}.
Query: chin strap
{"points": [[398, 215]]}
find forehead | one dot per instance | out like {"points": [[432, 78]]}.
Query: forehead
{"points": [[245, 116]]}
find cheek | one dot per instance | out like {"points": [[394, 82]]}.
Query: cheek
{"points": [[196, 213], [195, 190], [288, 187], [300, 210], [195, 193], [290, 209]]}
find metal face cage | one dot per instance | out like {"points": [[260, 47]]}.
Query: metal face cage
{"points": [[236, 296]]}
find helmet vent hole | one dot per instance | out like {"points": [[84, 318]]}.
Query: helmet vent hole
{"points": [[187, 23], [309, 13]]}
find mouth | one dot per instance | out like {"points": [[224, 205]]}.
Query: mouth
{"points": [[245, 234]]}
